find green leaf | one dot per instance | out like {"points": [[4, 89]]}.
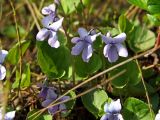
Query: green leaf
{"points": [[133, 90], [84, 69], [62, 38], [141, 39], [135, 109], [54, 62], [25, 82], [98, 44], [33, 115], [131, 76], [154, 9], [10, 31], [69, 104], [14, 54], [154, 6], [140, 3], [154, 19], [86, 2], [124, 24], [94, 101], [69, 6]]}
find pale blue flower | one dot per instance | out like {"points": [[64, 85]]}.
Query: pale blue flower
{"points": [[84, 43], [112, 111], [114, 47], [3, 54], [51, 26], [8, 116]]}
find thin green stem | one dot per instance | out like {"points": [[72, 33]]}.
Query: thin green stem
{"points": [[145, 88], [19, 44]]}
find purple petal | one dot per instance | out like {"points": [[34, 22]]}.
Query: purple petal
{"points": [[10, 115], [122, 51], [56, 25], [112, 54], [64, 98], [47, 21], [120, 38], [51, 94], [3, 54], [106, 49], [92, 38], [62, 107], [105, 117], [46, 102], [82, 32], [43, 92], [2, 72], [114, 107], [53, 110], [75, 39], [104, 38], [87, 53], [53, 40], [42, 34], [76, 50], [109, 116], [49, 10]]}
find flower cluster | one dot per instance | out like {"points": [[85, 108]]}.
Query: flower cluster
{"points": [[51, 24], [3, 54], [8, 116], [48, 94], [84, 43], [112, 49], [112, 111]]}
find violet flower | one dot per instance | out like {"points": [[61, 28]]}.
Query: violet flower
{"points": [[51, 26], [114, 47], [112, 111], [3, 54], [84, 43], [158, 116], [8, 116], [51, 96], [49, 10]]}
